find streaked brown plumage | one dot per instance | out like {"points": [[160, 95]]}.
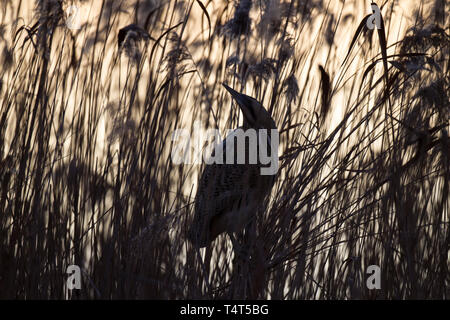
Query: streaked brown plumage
{"points": [[228, 195]]}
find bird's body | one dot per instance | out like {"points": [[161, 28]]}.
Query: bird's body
{"points": [[229, 194]]}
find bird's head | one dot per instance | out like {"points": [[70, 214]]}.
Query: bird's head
{"points": [[255, 115]]}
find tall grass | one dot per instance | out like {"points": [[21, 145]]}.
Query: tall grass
{"points": [[86, 124]]}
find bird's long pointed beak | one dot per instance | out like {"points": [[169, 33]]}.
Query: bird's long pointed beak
{"points": [[236, 95]]}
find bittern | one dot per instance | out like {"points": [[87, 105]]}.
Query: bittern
{"points": [[229, 195]]}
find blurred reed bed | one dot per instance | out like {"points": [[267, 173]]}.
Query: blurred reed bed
{"points": [[86, 125]]}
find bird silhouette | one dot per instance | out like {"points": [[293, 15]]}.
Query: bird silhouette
{"points": [[230, 194]]}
